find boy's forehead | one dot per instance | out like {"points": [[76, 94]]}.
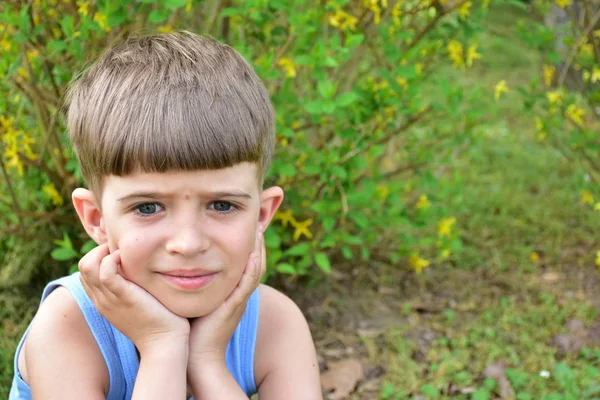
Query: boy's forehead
{"points": [[241, 178]]}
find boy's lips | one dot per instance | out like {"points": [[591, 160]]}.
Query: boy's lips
{"points": [[187, 273], [188, 279]]}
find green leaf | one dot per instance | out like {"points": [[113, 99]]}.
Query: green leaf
{"points": [[346, 99], [314, 107], [158, 16], [66, 24], [174, 3], [323, 262], [339, 171], [117, 18], [298, 250], [66, 242], [63, 254], [230, 11], [430, 391], [326, 88], [285, 268], [347, 252], [56, 45], [87, 246], [272, 239], [481, 394]]}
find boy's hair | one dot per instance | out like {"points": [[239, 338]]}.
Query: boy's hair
{"points": [[175, 101]]}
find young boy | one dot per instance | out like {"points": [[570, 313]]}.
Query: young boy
{"points": [[174, 134]]}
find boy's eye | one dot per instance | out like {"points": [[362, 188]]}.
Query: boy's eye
{"points": [[222, 206], [148, 208]]}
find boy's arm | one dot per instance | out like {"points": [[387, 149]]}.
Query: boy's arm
{"points": [[286, 365], [63, 361]]}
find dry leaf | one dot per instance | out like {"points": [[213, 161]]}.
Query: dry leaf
{"points": [[342, 377], [498, 371], [551, 277]]}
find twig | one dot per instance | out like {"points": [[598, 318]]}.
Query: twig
{"points": [[574, 49]]}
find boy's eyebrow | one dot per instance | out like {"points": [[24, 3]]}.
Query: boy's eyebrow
{"points": [[158, 195]]}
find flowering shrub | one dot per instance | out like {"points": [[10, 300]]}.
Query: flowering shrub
{"points": [[358, 128]]}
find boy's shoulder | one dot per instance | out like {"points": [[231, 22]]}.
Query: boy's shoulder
{"points": [[60, 336], [284, 343]]}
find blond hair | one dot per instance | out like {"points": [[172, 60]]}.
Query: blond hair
{"points": [[175, 101]]}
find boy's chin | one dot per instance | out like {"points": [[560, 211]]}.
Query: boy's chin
{"points": [[190, 312]]}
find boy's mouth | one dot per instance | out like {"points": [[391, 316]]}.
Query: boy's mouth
{"points": [[187, 273], [188, 279]]}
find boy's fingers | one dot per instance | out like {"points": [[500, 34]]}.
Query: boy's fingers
{"points": [[109, 274], [89, 263]]}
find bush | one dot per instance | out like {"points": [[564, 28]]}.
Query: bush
{"points": [[358, 131]]}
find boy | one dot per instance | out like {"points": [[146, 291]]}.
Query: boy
{"points": [[174, 134]]}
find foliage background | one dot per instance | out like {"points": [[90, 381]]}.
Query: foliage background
{"points": [[411, 135]]}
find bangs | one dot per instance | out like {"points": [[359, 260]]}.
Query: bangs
{"points": [[175, 130]]}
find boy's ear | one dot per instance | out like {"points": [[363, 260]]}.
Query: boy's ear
{"points": [[270, 200], [89, 213]]}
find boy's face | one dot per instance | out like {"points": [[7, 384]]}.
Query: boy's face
{"points": [[198, 222]]}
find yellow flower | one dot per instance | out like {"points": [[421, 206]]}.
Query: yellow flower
{"points": [[382, 191], [575, 114], [534, 257], [564, 3], [417, 263], [445, 226], [419, 68], [373, 5], [455, 53], [464, 10], [593, 76], [22, 72], [402, 82], [586, 197], [343, 20], [83, 8], [5, 45], [102, 21], [296, 124], [499, 89], [423, 202], [554, 97], [548, 71], [285, 217], [51, 193], [164, 29], [302, 228], [598, 259], [539, 124], [472, 55], [288, 66]]}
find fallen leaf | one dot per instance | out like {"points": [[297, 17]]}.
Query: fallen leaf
{"points": [[341, 378], [551, 277], [497, 371]]}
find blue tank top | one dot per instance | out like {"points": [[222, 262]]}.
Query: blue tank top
{"points": [[120, 355]]}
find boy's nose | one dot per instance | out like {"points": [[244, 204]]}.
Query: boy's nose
{"points": [[187, 240]]}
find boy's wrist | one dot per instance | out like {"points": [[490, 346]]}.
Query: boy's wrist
{"points": [[210, 377], [166, 348]]}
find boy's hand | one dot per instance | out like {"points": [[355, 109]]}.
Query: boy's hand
{"points": [[211, 333], [132, 310]]}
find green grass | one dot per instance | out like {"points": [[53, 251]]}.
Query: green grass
{"points": [[512, 195], [507, 331]]}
